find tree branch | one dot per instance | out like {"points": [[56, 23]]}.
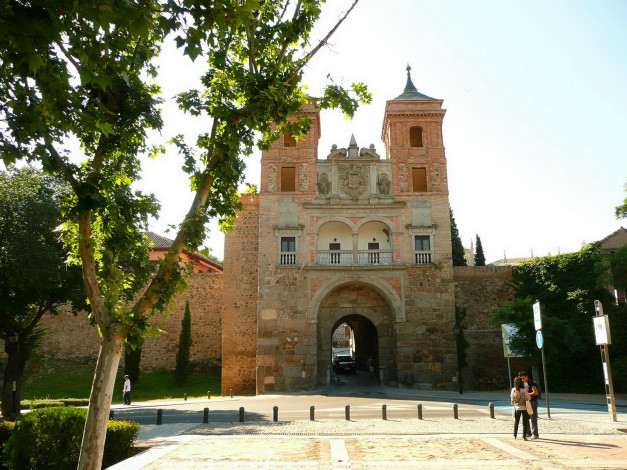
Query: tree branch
{"points": [[313, 52], [286, 43], [65, 169], [252, 64], [166, 269], [68, 56], [90, 278]]}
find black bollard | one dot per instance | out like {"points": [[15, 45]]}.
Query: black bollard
{"points": [[275, 413], [159, 416], [347, 412], [455, 412], [185, 396], [205, 415], [420, 411], [241, 414], [384, 412], [491, 405], [312, 412], [110, 415], [208, 395]]}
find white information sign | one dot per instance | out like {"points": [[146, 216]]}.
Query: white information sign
{"points": [[601, 330], [537, 319]]}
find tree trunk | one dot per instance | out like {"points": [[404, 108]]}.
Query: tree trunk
{"points": [[11, 374], [95, 430]]}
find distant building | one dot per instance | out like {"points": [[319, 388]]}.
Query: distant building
{"points": [[160, 245]]}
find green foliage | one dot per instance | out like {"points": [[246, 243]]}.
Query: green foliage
{"points": [[566, 286], [185, 342], [34, 276], [479, 256], [457, 246], [50, 438], [6, 428], [621, 211], [37, 404]]}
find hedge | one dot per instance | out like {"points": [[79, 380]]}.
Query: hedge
{"points": [[50, 438]]}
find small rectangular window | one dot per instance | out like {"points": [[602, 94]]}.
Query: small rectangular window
{"points": [[288, 179], [422, 243], [288, 244], [373, 246], [287, 257], [334, 246], [419, 180]]}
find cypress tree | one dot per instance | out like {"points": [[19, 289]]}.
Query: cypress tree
{"points": [[458, 248], [479, 256], [185, 343]]}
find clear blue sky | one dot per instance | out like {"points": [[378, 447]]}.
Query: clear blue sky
{"points": [[536, 118]]}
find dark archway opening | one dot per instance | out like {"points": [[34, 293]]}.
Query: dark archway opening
{"points": [[357, 336]]}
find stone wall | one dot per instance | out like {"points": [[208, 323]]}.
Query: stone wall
{"points": [[480, 290], [72, 337], [239, 303]]}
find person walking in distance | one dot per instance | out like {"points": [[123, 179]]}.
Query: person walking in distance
{"points": [[126, 391], [534, 393], [519, 396]]}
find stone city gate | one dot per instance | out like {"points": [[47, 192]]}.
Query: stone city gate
{"points": [[370, 317]]}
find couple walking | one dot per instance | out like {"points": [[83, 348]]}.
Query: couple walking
{"points": [[525, 390]]}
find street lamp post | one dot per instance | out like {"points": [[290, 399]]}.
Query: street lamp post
{"points": [[13, 341], [456, 331]]}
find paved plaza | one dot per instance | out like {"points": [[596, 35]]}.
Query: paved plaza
{"points": [[577, 436]]}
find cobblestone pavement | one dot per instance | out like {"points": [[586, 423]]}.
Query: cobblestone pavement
{"points": [[581, 437], [478, 442]]}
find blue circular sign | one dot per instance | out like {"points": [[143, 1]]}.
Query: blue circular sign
{"points": [[539, 339]]}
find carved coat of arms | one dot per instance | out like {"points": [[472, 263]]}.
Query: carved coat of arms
{"points": [[353, 179]]}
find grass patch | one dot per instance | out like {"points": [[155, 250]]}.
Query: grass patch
{"points": [[51, 379]]}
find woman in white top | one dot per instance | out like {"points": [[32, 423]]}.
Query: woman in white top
{"points": [[519, 398]]}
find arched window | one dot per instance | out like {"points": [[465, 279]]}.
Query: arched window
{"points": [[415, 136], [289, 141]]}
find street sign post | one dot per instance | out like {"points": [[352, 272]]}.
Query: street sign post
{"points": [[537, 320], [603, 339]]}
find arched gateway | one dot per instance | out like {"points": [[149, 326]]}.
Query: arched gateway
{"points": [[370, 318]]}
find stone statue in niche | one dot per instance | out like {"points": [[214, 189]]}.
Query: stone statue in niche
{"points": [[324, 185], [421, 212], [383, 184]]}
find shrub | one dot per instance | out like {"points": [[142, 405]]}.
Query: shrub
{"points": [[50, 438], [74, 401], [6, 428], [37, 404]]}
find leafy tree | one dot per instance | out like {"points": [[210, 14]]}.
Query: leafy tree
{"points": [[34, 278], [621, 211], [566, 286], [479, 256], [458, 247], [86, 70], [185, 343]]}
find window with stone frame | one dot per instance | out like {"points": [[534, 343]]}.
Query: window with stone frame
{"points": [[288, 251], [419, 180], [415, 136], [288, 179], [423, 253]]}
